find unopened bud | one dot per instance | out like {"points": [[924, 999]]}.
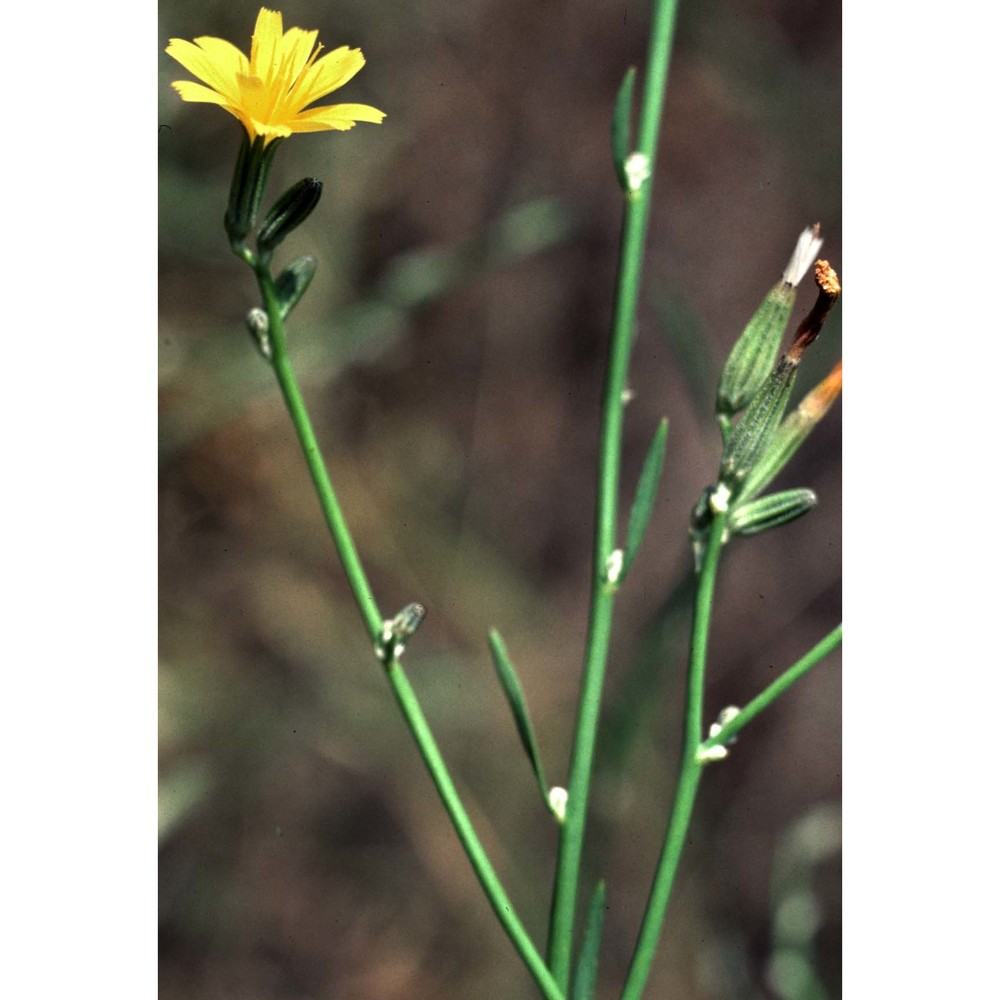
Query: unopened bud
{"points": [[753, 434], [252, 165], [288, 213], [771, 511]]}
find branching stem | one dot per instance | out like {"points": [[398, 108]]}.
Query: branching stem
{"points": [[688, 777], [372, 617], [635, 224]]}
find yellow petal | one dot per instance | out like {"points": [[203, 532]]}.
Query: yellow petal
{"points": [[269, 129], [227, 59], [327, 74], [266, 43], [296, 48], [198, 62], [191, 91], [337, 116]]}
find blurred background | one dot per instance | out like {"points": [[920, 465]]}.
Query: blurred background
{"points": [[451, 349]]}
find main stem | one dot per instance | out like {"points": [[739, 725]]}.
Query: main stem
{"points": [[404, 693], [635, 224], [688, 777]]}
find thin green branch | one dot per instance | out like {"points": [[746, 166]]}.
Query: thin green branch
{"points": [[335, 520], [688, 777], [819, 652], [405, 696], [635, 224], [488, 879]]}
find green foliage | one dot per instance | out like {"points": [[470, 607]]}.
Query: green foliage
{"points": [[621, 126], [519, 708], [645, 494], [585, 980]]}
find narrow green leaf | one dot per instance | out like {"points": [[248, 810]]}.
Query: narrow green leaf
{"points": [[585, 981], [645, 494], [515, 698], [621, 126]]}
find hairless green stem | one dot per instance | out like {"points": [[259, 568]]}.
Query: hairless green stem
{"points": [[688, 777], [820, 651], [635, 224], [488, 879], [296, 406], [401, 688]]}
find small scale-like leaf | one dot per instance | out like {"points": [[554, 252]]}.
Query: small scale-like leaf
{"points": [[291, 284], [621, 126], [585, 981], [645, 494], [771, 511], [515, 698]]}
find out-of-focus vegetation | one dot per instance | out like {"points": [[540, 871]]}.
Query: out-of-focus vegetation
{"points": [[451, 348]]}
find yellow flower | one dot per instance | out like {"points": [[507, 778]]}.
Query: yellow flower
{"points": [[270, 92]]}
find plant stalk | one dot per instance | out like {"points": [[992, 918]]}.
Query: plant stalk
{"points": [[401, 688], [342, 540], [634, 228], [495, 893], [688, 777]]}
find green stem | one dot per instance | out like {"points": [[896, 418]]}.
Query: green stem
{"points": [[688, 777], [339, 531], [635, 224], [823, 648], [488, 879], [405, 696]]}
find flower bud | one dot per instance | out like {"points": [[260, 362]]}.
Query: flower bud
{"points": [[252, 165], [288, 213], [771, 511], [752, 436], [754, 353]]}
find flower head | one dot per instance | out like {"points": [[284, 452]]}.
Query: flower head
{"points": [[270, 92]]}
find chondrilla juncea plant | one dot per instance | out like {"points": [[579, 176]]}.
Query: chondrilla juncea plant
{"points": [[272, 93]]}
